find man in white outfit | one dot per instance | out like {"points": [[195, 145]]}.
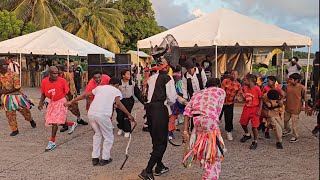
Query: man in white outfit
{"points": [[100, 114]]}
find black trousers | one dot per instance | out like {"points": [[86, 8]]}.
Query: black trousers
{"points": [[158, 119], [122, 119], [227, 110], [77, 83]]}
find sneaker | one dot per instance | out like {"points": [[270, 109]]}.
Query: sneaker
{"points": [[33, 124], [64, 128], [120, 132], [254, 145], [315, 130], [245, 138], [145, 176], [95, 161], [160, 170], [14, 133], [127, 134], [229, 136], [51, 146], [279, 145], [293, 140], [286, 133], [267, 135], [105, 162], [81, 121], [73, 127]]}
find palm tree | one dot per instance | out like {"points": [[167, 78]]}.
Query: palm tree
{"points": [[42, 13], [98, 24]]}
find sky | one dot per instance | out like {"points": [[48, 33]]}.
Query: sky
{"points": [[300, 16]]}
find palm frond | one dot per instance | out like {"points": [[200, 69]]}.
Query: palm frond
{"points": [[105, 39], [72, 27], [24, 10], [41, 15], [63, 8], [9, 5], [82, 13], [82, 32], [55, 18], [111, 19]]}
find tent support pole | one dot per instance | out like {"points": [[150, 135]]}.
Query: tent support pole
{"points": [[138, 58], [307, 73], [216, 52], [68, 62], [282, 64], [292, 53], [20, 69]]}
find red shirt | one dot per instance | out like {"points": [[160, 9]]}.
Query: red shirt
{"points": [[266, 89], [252, 96], [54, 90], [92, 84]]}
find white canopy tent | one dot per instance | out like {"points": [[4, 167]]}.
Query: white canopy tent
{"points": [[228, 28], [51, 41]]}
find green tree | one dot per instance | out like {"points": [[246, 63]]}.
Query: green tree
{"points": [[98, 23], [42, 13], [298, 54], [139, 20], [11, 27]]}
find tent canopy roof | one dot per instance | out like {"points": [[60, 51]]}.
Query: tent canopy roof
{"points": [[141, 53], [51, 41], [228, 28]]}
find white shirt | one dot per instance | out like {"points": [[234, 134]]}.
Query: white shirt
{"points": [[194, 81], [102, 104], [171, 93], [293, 69]]}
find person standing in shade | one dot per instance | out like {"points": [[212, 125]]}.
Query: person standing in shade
{"points": [[77, 76], [56, 89], [128, 89], [161, 93], [232, 88], [13, 99], [193, 80], [294, 66]]}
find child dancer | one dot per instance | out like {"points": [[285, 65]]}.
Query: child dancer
{"points": [[251, 110]]}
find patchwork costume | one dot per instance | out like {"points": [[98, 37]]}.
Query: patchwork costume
{"points": [[15, 101]]}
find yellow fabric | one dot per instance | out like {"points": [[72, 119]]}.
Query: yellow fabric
{"points": [[170, 72]]}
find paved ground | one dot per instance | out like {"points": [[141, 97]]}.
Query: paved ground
{"points": [[23, 156]]}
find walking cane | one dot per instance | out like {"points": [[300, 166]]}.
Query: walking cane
{"points": [[128, 145]]}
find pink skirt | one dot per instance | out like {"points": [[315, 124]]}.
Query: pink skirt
{"points": [[56, 112]]}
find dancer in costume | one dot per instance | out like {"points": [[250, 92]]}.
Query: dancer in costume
{"points": [[206, 143], [56, 89], [13, 99], [161, 93]]}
